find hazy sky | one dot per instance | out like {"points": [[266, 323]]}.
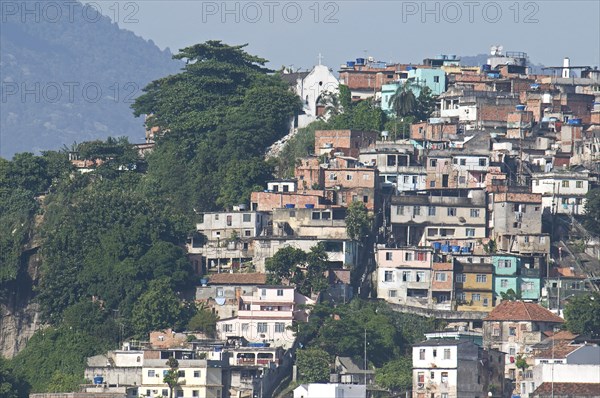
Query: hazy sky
{"points": [[295, 32]]}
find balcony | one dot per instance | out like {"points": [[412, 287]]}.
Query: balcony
{"points": [[530, 272]]}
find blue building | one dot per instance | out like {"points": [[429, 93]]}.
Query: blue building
{"points": [[435, 79]]}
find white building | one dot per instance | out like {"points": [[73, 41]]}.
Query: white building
{"points": [[447, 368], [310, 87], [330, 390], [563, 192], [265, 316]]}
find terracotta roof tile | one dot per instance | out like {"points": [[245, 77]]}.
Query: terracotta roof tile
{"points": [[560, 350], [579, 390], [237, 279], [522, 311]]}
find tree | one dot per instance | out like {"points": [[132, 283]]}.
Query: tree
{"points": [[396, 375], [403, 102], [592, 211], [313, 365], [358, 221], [11, 385], [521, 362], [158, 308], [171, 377], [510, 295], [582, 314], [203, 321], [426, 103], [304, 270]]}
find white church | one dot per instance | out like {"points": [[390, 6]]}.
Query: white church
{"points": [[310, 87]]}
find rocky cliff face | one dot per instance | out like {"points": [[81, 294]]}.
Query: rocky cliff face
{"points": [[19, 314]]}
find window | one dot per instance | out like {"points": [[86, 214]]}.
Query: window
{"points": [[512, 331], [216, 216], [332, 177], [247, 217], [481, 278], [434, 352], [416, 210], [229, 220], [451, 211], [446, 355], [261, 327], [476, 297], [406, 179], [496, 333], [447, 231], [388, 276], [408, 256], [165, 392], [440, 276], [179, 393], [485, 302], [474, 213], [388, 256], [470, 232], [503, 282], [431, 211], [462, 180], [421, 256], [151, 373], [247, 232], [463, 162], [279, 327], [460, 297], [400, 210], [432, 231], [348, 177], [406, 276], [461, 278], [565, 184], [365, 199], [195, 393], [527, 286], [227, 328], [445, 394], [244, 329], [504, 263], [431, 184], [436, 79], [433, 162], [220, 292], [279, 292], [512, 351], [181, 373], [422, 353], [578, 184], [392, 293], [263, 292], [420, 276]]}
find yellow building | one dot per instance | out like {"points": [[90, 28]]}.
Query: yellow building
{"points": [[198, 378], [473, 285]]}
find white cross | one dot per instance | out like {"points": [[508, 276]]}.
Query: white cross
{"points": [[320, 58]]}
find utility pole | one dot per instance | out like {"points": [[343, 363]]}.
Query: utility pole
{"points": [[365, 360]]}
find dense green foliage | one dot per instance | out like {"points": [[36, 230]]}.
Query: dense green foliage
{"points": [[303, 270], [358, 221], [592, 211], [313, 365], [396, 375], [582, 314], [217, 117], [11, 384], [341, 330], [55, 357]]}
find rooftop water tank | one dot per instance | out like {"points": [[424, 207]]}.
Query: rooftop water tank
{"points": [[486, 67], [98, 379], [520, 107], [289, 205], [360, 61], [350, 64]]}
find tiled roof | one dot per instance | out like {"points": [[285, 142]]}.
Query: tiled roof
{"points": [[561, 350], [579, 390], [237, 279], [522, 311]]}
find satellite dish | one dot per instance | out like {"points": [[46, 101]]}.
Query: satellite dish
{"points": [[500, 48], [493, 50]]}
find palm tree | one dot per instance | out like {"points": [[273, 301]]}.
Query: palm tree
{"points": [[404, 102], [171, 376], [331, 100]]}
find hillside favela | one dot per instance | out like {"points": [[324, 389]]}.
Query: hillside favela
{"points": [[381, 227]]}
